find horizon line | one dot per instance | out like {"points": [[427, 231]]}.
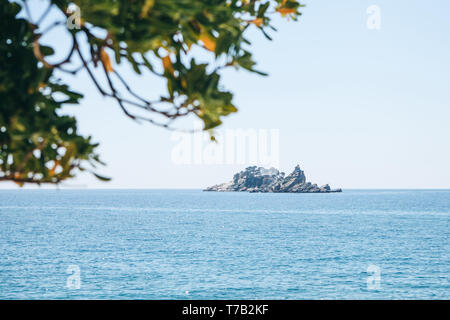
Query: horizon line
{"points": [[194, 189]]}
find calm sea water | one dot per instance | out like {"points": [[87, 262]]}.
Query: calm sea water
{"points": [[183, 244]]}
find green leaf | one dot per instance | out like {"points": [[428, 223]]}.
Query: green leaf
{"points": [[101, 177]]}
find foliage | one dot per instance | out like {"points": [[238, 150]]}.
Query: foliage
{"points": [[36, 144], [154, 36]]}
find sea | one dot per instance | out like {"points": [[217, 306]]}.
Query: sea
{"points": [[190, 244]]}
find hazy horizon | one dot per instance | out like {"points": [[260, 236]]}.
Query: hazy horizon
{"points": [[356, 108]]}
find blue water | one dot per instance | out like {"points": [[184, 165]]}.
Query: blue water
{"points": [[183, 244]]}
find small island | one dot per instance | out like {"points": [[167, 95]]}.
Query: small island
{"points": [[259, 179]]}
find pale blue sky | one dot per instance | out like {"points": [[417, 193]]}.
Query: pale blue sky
{"points": [[357, 108]]}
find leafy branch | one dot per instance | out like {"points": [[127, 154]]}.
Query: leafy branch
{"points": [[164, 38]]}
